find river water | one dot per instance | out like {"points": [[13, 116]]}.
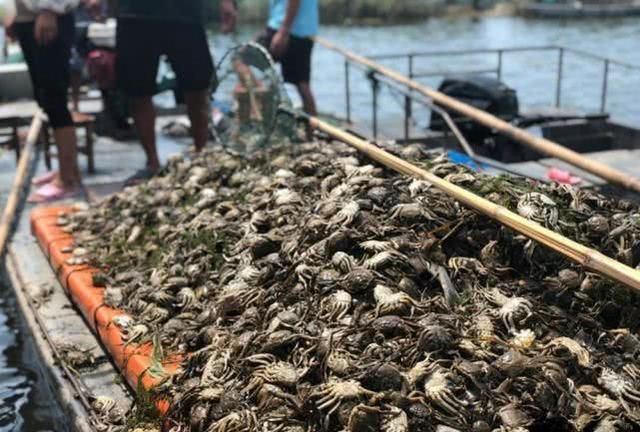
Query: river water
{"points": [[532, 74], [24, 400]]}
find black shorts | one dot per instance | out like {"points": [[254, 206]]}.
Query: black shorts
{"points": [[141, 42], [49, 68], [296, 62]]}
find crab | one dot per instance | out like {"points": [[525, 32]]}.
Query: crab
{"points": [[385, 259], [539, 208], [346, 215], [434, 337], [270, 396], [305, 274], [419, 371], [250, 275], [336, 305], [513, 310], [123, 322], [555, 374], [358, 280], [340, 361], [386, 418], [409, 212], [513, 417], [470, 348], [237, 421], [484, 329], [581, 354], [271, 371], [594, 398], [237, 296], [389, 302], [153, 314], [283, 197], [185, 298], [462, 264], [418, 187], [113, 296], [632, 371], [394, 419], [102, 405], [135, 333], [620, 387], [343, 262], [377, 246], [437, 390], [216, 370], [333, 393]]}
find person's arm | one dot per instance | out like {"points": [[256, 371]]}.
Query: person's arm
{"points": [[229, 14], [280, 41]]}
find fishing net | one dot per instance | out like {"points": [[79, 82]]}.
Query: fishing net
{"points": [[255, 115]]}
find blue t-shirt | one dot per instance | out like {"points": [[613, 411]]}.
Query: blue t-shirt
{"points": [[306, 23]]}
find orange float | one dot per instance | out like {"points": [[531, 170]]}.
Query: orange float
{"points": [[133, 360]]}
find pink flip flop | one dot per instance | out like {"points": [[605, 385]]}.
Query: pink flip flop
{"points": [[51, 192], [44, 178]]}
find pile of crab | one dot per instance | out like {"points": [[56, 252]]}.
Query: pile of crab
{"points": [[317, 291]]}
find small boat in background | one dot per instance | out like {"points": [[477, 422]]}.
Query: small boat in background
{"points": [[581, 9]]}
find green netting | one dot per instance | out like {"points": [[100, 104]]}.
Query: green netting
{"points": [[249, 78]]}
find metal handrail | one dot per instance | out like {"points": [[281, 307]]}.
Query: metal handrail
{"points": [[417, 54], [439, 53], [562, 51]]}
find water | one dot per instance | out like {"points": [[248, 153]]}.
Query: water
{"points": [[532, 74], [25, 402]]}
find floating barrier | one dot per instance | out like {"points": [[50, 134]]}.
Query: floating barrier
{"points": [[132, 360]]}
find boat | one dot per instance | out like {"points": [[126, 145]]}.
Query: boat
{"points": [[50, 313], [595, 133], [581, 9]]}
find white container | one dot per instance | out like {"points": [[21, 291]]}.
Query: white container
{"points": [[103, 35]]}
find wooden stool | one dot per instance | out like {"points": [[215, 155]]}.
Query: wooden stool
{"points": [[80, 120], [10, 128]]}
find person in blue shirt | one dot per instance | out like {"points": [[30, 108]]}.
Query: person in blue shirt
{"points": [[289, 38]]}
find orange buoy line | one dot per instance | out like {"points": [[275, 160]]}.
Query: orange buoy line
{"points": [[132, 360]]}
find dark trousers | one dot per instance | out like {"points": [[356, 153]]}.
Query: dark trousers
{"points": [[49, 68]]}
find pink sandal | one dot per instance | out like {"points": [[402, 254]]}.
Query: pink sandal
{"points": [[44, 178], [51, 192]]}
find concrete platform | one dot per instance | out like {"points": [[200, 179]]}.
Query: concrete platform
{"points": [[626, 161]]}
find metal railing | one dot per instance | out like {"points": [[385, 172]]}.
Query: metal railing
{"points": [[409, 59]]}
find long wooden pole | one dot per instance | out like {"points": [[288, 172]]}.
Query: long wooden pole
{"points": [[578, 253], [542, 145], [18, 183]]}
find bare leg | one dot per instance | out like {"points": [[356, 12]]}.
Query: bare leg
{"points": [[198, 110], [144, 115], [76, 80], [66, 142], [308, 101]]}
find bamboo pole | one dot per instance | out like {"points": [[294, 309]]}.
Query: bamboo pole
{"points": [[18, 183], [542, 145], [576, 252]]}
